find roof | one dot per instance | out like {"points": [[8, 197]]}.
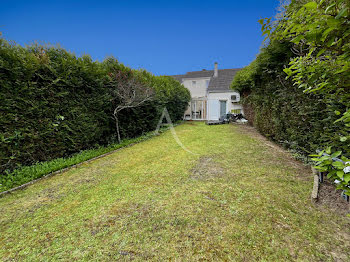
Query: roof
{"points": [[220, 83]]}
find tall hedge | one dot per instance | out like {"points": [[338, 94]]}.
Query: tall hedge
{"points": [[297, 91], [281, 110], [54, 104]]}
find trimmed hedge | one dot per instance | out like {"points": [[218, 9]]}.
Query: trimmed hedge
{"points": [[26, 174], [54, 104], [282, 111]]}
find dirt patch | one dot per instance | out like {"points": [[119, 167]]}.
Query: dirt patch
{"points": [[85, 180], [120, 212], [331, 198], [206, 169], [52, 193], [131, 209], [43, 198]]}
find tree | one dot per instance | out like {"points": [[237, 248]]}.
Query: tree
{"points": [[128, 92]]}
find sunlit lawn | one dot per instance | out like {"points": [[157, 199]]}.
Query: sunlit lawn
{"points": [[237, 198]]}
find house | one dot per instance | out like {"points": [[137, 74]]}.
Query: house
{"points": [[211, 96]]}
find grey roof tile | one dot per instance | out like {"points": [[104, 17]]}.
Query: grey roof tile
{"points": [[220, 83], [223, 80]]}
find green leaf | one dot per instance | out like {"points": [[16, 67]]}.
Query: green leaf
{"points": [[321, 2], [326, 32], [261, 21], [329, 7], [320, 52], [347, 192], [345, 159], [297, 39], [267, 32], [314, 155], [338, 165], [333, 172], [343, 139], [336, 154], [324, 158], [346, 178], [330, 42], [329, 175], [311, 5], [340, 174], [339, 186], [332, 22], [288, 71], [341, 13]]}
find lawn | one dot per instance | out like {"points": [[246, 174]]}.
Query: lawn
{"points": [[239, 197]]}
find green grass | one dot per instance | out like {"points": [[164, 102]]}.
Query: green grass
{"points": [[239, 198], [26, 174]]}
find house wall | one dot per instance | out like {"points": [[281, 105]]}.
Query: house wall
{"points": [[227, 97], [200, 88], [200, 91]]}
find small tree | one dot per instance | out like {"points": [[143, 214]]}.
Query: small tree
{"points": [[128, 92]]}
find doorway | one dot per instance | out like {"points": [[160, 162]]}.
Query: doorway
{"points": [[222, 107], [198, 109]]}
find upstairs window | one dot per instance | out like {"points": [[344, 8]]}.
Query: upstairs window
{"points": [[207, 83], [194, 83], [234, 98]]}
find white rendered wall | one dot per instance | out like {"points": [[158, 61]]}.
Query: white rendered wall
{"points": [[226, 96], [200, 89]]}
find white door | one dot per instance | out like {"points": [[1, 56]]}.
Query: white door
{"points": [[214, 109]]}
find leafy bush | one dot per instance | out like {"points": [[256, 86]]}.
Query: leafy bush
{"points": [[299, 85], [282, 111], [336, 170], [54, 104]]}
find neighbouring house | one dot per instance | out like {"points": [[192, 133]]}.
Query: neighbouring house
{"points": [[211, 95]]}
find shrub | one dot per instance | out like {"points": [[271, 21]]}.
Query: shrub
{"points": [[54, 104], [282, 111], [299, 85]]}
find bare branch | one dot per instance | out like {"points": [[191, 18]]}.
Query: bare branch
{"points": [[128, 92]]}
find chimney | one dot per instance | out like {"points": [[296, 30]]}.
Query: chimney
{"points": [[216, 69]]}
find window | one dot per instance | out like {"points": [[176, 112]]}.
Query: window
{"points": [[194, 83], [207, 83], [234, 98]]}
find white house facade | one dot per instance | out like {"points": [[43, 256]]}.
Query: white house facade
{"points": [[211, 95]]}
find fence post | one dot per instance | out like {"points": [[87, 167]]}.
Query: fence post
{"points": [[314, 194]]}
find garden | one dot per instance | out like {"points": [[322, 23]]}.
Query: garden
{"points": [[237, 197], [84, 176]]}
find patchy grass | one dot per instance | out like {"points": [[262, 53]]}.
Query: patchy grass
{"points": [[27, 174], [240, 198]]}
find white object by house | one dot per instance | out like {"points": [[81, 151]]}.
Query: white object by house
{"points": [[211, 95]]}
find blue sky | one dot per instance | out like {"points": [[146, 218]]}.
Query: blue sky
{"points": [[163, 37]]}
